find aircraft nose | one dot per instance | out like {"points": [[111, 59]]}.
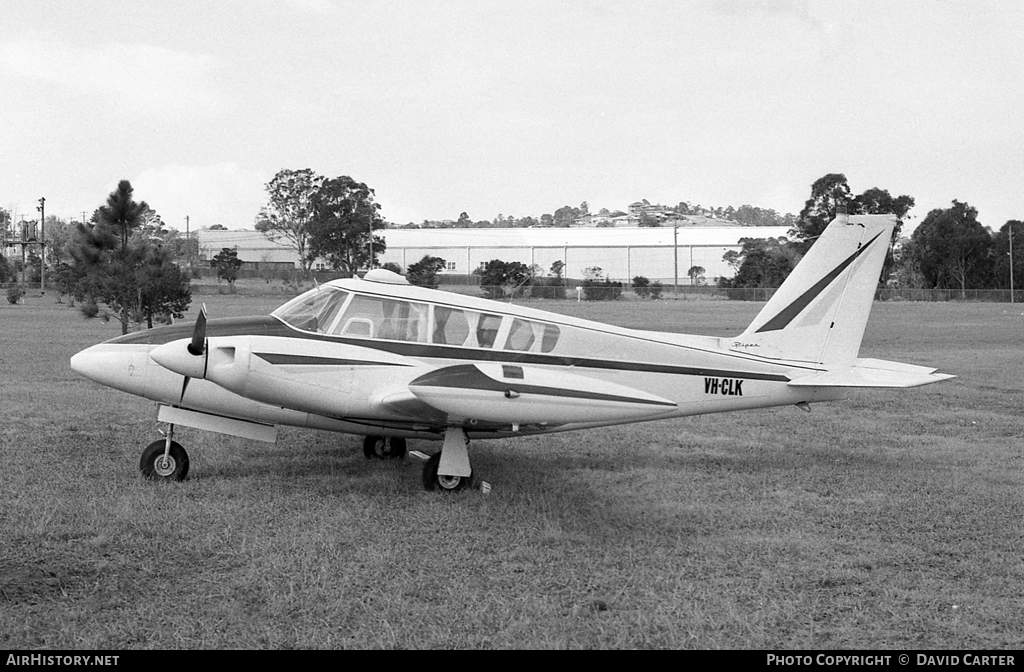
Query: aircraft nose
{"points": [[122, 367]]}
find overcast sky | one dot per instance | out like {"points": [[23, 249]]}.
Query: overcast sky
{"points": [[507, 107]]}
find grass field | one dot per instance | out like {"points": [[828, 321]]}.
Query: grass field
{"points": [[891, 520]]}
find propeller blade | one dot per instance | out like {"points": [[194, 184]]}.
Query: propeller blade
{"points": [[197, 347], [198, 344]]}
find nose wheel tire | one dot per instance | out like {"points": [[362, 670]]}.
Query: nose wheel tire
{"points": [[434, 481], [384, 447], [156, 466]]}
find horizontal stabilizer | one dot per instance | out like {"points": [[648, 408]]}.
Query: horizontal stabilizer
{"points": [[873, 373]]}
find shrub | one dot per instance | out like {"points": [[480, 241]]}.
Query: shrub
{"points": [[641, 287], [656, 290], [14, 293], [601, 290], [548, 288], [89, 309]]}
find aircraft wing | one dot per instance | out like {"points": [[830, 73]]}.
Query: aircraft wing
{"points": [[507, 393], [873, 373]]}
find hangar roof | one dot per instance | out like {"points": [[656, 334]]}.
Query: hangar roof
{"points": [[589, 237], [553, 237]]}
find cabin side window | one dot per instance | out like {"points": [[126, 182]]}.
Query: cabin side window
{"points": [[374, 317], [451, 327], [528, 336], [467, 328]]}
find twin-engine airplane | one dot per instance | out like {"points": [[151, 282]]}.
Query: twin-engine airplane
{"points": [[384, 359]]}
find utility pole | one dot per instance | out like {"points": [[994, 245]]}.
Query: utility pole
{"points": [[188, 248], [1010, 228], [675, 257], [42, 245]]}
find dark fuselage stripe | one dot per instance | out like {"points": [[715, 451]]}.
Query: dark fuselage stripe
{"points": [[310, 360], [271, 326]]}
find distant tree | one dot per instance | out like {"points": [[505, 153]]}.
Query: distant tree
{"points": [[761, 262], [500, 279], [906, 269], [953, 248], [393, 267], [565, 216], [68, 280], [749, 215], [221, 227], [1001, 256], [289, 210], [696, 275], [424, 272], [641, 287], [227, 264], [877, 201], [58, 235], [826, 193], [464, 221], [6, 272], [119, 266], [551, 286], [598, 287], [166, 288], [648, 220], [344, 215]]}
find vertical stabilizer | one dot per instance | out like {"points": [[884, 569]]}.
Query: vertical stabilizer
{"points": [[819, 313]]}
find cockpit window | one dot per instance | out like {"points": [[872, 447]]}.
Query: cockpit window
{"points": [[315, 311]]}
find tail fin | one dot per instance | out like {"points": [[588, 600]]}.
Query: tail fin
{"points": [[819, 313]]}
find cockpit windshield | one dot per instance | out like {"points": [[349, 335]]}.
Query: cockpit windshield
{"points": [[315, 311]]}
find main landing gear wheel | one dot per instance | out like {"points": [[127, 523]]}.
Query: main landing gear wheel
{"points": [[384, 447], [433, 481], [155, 466]]}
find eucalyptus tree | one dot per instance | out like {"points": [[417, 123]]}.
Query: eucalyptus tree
{"points": [[289, 210], [953, 248], [343, 218]]}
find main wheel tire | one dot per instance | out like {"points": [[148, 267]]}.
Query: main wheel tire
{"points": [[156, 467], [433, 481], [384, 447]]}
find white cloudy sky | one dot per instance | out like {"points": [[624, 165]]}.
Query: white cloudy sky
{"points": [[511, 107]]}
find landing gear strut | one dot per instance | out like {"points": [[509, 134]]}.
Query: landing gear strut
{"points": [[449, 470], [384, 447]]}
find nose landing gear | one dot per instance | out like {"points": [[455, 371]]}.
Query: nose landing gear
{"points": [[164, 460]]}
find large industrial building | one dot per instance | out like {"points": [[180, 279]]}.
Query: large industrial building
{"points": [[657, 253]]}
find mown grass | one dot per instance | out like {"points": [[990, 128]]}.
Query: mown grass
{"points": [[892, 520]]}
